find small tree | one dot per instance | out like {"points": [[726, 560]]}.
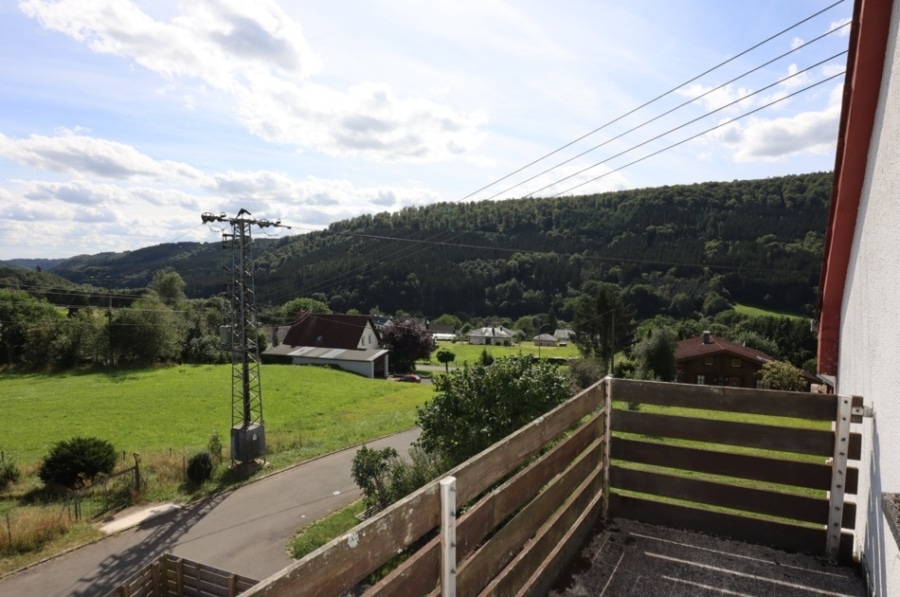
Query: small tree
{"points": [[779, 375], [656, 356], [371, 472], [475, 407], [446, 357], [72, 463], [486, 359], [408, 342]]}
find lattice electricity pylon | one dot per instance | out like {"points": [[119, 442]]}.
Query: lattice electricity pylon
{"points": [[248, 438]]}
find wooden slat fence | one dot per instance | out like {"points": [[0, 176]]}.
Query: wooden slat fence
{"points": [[708, 470], [527, 503], [753, 465], [173, 576]]}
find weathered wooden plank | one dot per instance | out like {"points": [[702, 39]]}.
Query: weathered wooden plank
{"points": [[584, 501], [214, 589], [783, 536], [484, 564], [343, 562], [732, 433], [485, 469], [484, 516], [418, 574], [548, 571], [758, 468], [724, 495], [801, 405]]}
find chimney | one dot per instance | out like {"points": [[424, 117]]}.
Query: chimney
{"points": [[706, 337]]}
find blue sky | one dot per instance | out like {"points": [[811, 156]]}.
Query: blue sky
{"points": [[121, 122]]}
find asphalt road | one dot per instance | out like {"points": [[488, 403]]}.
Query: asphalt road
{"points": [[244, 531]]}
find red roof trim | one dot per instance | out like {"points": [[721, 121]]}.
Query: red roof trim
{"points": [[862, 85]]}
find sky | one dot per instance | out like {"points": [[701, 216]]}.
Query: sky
{"points": [[121, 121]]}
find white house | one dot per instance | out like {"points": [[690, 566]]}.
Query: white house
{"points": [[498, 336], [859, 313]]}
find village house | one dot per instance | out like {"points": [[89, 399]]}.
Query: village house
{"points": [[350, 342], [714, 361], [492, 336]]}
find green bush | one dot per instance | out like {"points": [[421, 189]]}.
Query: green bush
{"points": [[73, 463], [9, 472], [200, 468]]}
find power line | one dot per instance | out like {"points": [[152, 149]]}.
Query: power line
{"points": [[657, 98], [701, 117], [701, 133], [683, 104]]}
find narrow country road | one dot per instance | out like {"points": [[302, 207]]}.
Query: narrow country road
{"points": [[243, 531]]}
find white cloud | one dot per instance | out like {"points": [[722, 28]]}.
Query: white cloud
{"points": [[774, 140], [256, 54], [84, 156], [845, 32]]}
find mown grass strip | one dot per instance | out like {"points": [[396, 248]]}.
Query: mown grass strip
{"points": [[324, 530]]}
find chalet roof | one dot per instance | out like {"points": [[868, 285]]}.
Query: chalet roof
{"points": [[545, 338], [328, 331], [692, 348], [497, 332]]}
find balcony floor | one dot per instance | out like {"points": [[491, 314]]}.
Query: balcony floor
{"points": [[626, 558]]}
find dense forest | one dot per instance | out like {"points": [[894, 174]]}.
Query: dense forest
{"points": [[675, 250]]}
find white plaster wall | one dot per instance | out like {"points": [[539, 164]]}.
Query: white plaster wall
{"points": [[869, 360], [366, 368]]}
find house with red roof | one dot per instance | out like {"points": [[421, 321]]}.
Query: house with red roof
{"points": [[350, 342], [710, 360], [859, 284]]}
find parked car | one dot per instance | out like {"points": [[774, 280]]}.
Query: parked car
{"points": [[411, 378]]}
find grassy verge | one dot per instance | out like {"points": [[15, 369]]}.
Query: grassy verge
{"points": [[322, 531]]}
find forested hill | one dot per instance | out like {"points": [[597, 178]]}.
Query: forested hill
{"points": [[676, 249]]}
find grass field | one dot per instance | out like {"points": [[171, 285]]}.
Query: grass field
{"points": [[167, 414], [471, 353], [307, 410], [758, 312]]}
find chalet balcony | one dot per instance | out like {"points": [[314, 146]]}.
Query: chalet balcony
{"points": [[629, 488]]}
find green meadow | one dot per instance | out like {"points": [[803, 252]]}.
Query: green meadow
{"points": [[307, 410], [471, 353]]}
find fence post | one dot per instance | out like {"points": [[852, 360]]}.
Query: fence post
{"points": [[838, 477], [607, 441], [137, 471], [448, 537]]}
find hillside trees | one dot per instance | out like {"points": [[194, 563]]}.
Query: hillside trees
{"points": [[602, 322], [145, 332]]}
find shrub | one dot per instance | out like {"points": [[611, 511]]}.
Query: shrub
{"points": [[9, 472], [72, 463], [199, 468], [214, 447]]}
